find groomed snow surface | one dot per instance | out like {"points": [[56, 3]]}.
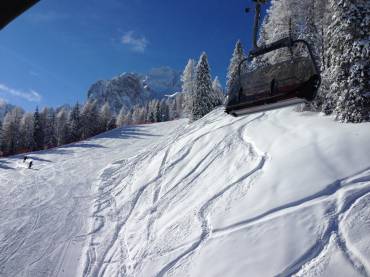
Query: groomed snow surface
{"points": [[271, 194]]}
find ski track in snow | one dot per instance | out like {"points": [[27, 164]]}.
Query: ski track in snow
{"points": [[135, 198], [94, 264], [334, 213], [43, 210], [131, 263], [206, 227]]}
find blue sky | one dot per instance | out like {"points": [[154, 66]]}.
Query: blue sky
{"points": [[52, 54]]}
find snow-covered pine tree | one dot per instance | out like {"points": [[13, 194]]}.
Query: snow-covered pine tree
{"points": [[138, 115], [121, 118], [262, 39], [26, 131], [158, 115], [313, 13], [218, 92], [171, 102], [129, 117], [276, 27], [61, 128], [1, 138], [179, 104], [48, 125], [188, 82], [105, 117], [11, 139], [89, 119], [74, 124], [202, 98], [164, 111], [152, 111], [38, 131], [145, 112], [301, 19], [351, 61], [233, 69], [112, 123]]}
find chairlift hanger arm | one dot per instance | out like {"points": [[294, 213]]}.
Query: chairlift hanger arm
{"points": [[257, 16]]}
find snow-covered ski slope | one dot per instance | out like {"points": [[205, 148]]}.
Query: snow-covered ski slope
{"points": [[273, 194]]}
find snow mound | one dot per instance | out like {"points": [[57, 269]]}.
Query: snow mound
{"points": [[264, 195], [271, 194]]}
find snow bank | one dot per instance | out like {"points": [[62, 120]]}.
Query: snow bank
{"points": [[264, 195], [273, 194]]}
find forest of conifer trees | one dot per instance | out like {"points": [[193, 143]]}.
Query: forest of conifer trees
{"points": [[337, 30]]}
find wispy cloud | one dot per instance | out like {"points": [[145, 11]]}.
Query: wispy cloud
{"points": [[31, 95], [136, 42], [47, 16], [34, 73]]}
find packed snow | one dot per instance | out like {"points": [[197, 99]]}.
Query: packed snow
{"points": [[279, 193]]}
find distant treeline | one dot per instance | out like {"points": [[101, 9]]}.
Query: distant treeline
{"points": [[24, 131]]}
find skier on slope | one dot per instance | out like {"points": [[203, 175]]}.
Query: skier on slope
{"points": [[25, 158], [30, 165]]}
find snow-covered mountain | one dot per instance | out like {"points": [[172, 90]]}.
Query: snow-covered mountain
{"points": [[271, 194], [125, 90], [131, 89], [161, 81], [4, 108]]}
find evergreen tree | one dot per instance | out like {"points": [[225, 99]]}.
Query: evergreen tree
{"points": [[202, 100], [61, 129], [1, 139], [188, 82], [38, 132], [180, 102], [48, 125], [112, 123], [128, 119], [74, 124], [283, 16], [260, 61], [233, 70], [26, 131], [218, 92], [350, 58], [171, 102], [138, 115], [89, 120], [157, 111], [152, 111], [105, 117], [188, 77], [11, 139], [121, 118], [164, 110]]}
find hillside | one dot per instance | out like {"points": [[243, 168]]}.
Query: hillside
{"points": [[278, 193]]}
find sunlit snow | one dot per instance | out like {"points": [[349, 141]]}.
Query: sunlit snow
{"points": [[269, 194]]}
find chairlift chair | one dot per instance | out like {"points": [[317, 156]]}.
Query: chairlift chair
{"points": [[274, 86]]}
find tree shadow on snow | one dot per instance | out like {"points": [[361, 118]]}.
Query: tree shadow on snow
{"points": [[39, 159], [134, 131], [4, 165], [82, 145], [51, 151]]}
